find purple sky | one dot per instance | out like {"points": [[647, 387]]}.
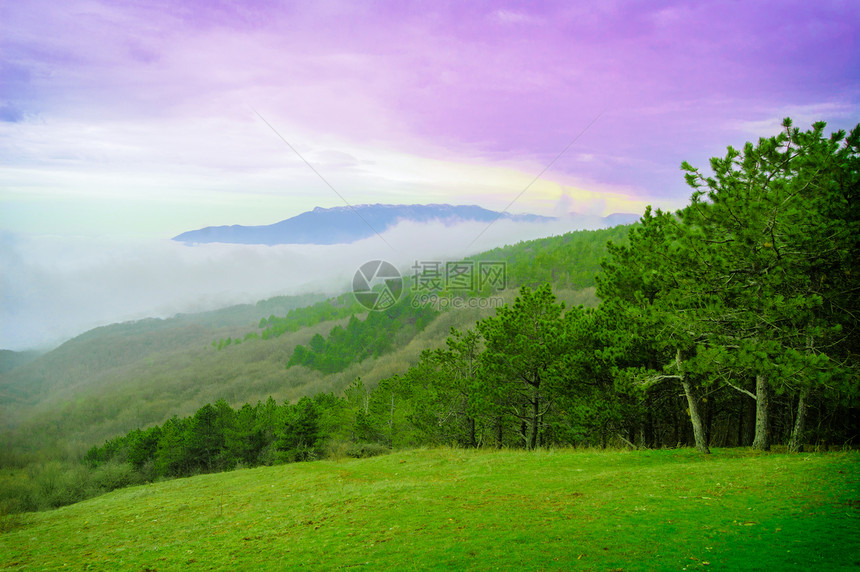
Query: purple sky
{"points": [[125, 123], [138, 117]]}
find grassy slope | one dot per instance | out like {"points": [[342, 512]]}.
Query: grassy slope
{"points": [[456, 509]]}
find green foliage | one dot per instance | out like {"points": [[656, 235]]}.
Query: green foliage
{"points": [[769, 243], [444, 388], [363, 339], [570, 260], [297, 318], [342, 306], [525, 345], [170, 457], [218, 438], [114, 475], [300, 436]]}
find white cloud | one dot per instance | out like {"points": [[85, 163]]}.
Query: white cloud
{"points": [[516, 17], [837, 115], [53, 288]]}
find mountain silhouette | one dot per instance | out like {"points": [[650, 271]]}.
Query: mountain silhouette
{"points": [[342, 225]]}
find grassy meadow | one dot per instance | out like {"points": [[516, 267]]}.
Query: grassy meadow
{"points": [[453, 509]]}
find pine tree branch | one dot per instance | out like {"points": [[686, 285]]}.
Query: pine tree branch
{"points": [[742, 390]]}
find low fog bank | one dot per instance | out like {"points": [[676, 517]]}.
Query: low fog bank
{"points": [[54, 288]]}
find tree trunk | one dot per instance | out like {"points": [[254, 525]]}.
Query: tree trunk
{"points": [[709, 421], [533, 433], [649, 439], [695, 418], [472, 441], [796, 443], [749, 426], [762, 421], [391, 423], [693, 405], [676, 426], [740, 438]]}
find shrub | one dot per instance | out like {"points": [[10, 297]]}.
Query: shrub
{"points": [[113, 475], [73, 485], [17, 493], [364, 450]]}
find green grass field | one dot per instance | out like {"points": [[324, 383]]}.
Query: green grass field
{"points": [[478, 510]]}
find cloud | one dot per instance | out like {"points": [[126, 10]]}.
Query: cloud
{"points": [[838, 115], [516, 17], [53, 288]]}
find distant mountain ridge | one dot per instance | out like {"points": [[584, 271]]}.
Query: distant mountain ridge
{"points": [[341, 225]]}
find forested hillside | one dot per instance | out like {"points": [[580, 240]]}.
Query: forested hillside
{"points": [[114, 379], [9, 360], [79, 361], [569, 261]]}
